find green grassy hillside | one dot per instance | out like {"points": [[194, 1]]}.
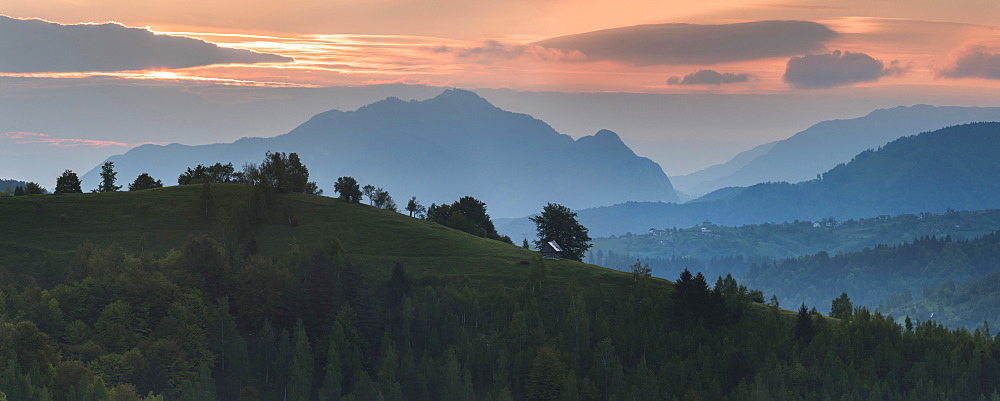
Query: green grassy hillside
{"points": [[157, 220]]}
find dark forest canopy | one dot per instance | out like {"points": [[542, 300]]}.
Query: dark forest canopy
{"points": [[872, 276], [269, 310]]}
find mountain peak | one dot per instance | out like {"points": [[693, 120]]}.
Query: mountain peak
{"points": [[460, 98], [608, 136], [604, 139]]}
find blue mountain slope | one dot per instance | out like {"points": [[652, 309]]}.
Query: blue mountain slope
{"points": [[440, 149]]}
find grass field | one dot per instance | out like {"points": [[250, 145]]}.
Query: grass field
{"points": [[158, 220]]}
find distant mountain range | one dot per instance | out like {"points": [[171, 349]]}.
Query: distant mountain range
{"points": [[954, 167], [440, 149], [822, 146]]}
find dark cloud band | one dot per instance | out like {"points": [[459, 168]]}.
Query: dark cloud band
{"points": [[837, 69], [678, 44], [40, 46], [974, 62], [709, 77]]}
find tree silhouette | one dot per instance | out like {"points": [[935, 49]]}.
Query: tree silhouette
{"points": [[558, 223], [144, 181], [108, 178], [841, 307], [68, 183], [415, 208], [348, 189]]}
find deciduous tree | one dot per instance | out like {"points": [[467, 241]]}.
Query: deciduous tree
{"points": [[415, 208], [841, 307], [348, 189], [144, 181], [558, 223], [68, 183], [369, 192]]}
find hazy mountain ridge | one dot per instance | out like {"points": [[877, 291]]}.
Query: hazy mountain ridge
{"points": [[4, 184], [440, 149], [824, 145], [691, 183], [931, 172]]}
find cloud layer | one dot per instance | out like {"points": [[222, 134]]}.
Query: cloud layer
{"points": [[974, 62], [672, 44], [35, 137], [709, 77], [837, 69], [30, 46], [495, 50]]}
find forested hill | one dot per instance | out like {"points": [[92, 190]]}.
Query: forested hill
{"points": [[4, 184], [722, 249], [951, 168], [453, 145], [229, 292], [953, 303], [871, 276]]}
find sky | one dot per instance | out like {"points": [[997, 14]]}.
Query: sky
{"points": [[797, 62]]}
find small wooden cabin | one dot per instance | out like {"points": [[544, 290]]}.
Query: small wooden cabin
{"points": [[551, 250]]}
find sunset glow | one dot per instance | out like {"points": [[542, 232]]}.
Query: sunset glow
{"points": [[923, 47]]}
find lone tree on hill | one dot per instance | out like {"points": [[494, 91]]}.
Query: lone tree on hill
{"points": [[415, 208], [108, 179], [144, 181], [558, 223], [68, 183], [348, 189]]}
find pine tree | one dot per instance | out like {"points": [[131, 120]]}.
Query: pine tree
{"points": [[804, 329], [571, 390], [108, 179], [330, 389], [546, 377], [300, 382]]}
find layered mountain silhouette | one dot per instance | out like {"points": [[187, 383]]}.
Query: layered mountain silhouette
{"points": [[951, 168], [822, 146], [440, 149]]}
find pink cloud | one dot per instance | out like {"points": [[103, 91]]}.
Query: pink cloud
{"points": [[20, 135], [150, 143], [34, 137]]}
